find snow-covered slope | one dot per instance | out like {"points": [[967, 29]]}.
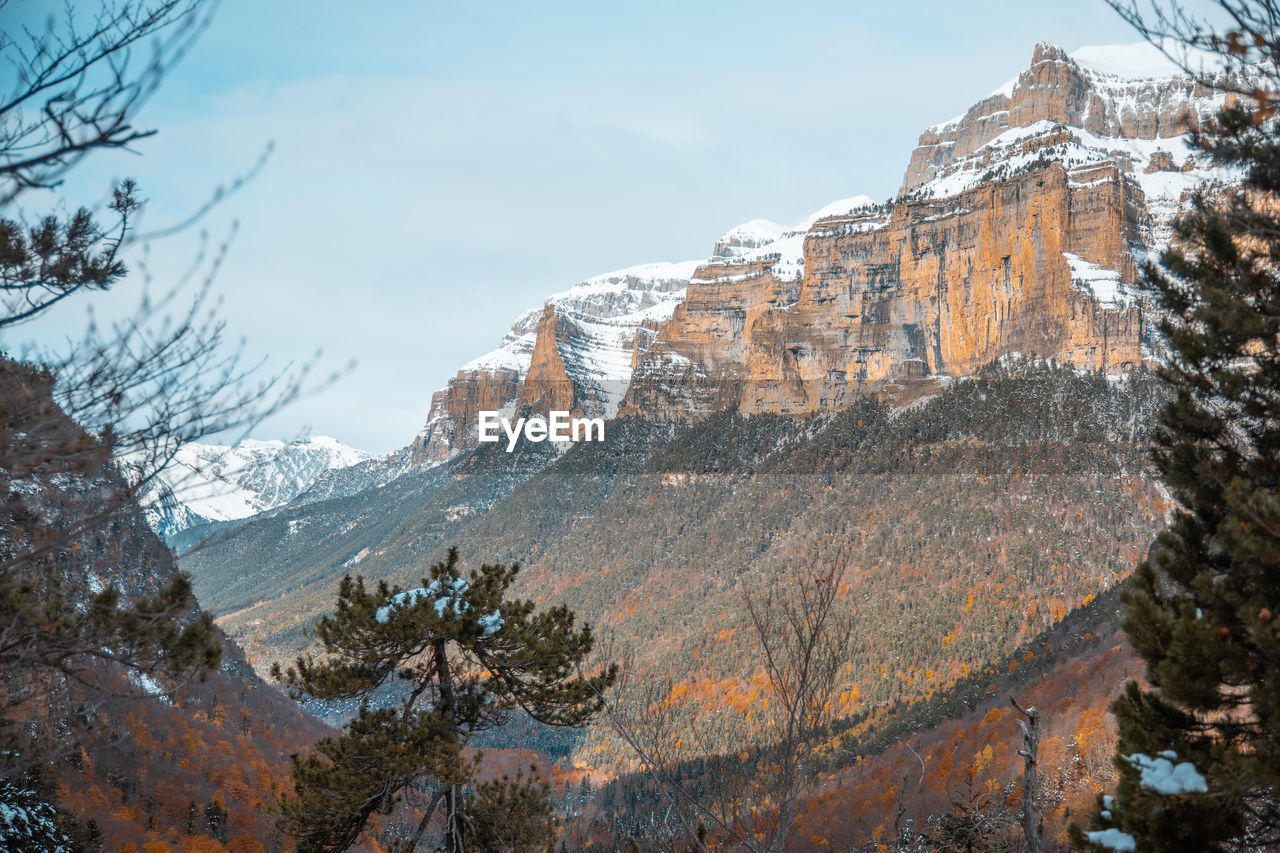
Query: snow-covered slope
{"points": [[607, 318], [761, 239], [212, 482], [617, 300]]}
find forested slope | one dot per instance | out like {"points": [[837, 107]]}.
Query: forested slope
{"points": [[967, 522]]}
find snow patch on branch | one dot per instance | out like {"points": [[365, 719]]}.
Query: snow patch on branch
{"points": [[491, 623], [1161, 775], [1113, 839], [446, 598], [28, 822]]}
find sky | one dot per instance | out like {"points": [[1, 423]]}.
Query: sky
{"points": [[437, 169]]}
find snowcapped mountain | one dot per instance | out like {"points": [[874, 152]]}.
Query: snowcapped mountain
{"points": [[212, 482], [1018, 231], [620, 300], [594, 333], [1129, 104], [577, 349], [783, 247]]}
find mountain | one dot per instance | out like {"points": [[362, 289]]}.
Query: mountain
{"points": [[574, 354], [1014, 241], [943, 394], [216, 483], [1018, 230], [967, 523]]}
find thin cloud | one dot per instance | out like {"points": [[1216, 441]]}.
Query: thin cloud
{"points": [[679, 130]]}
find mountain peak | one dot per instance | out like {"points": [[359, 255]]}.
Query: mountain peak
{"points": [[840, 207], [860, 292], [1047, 52], [1144, 60], [741, 239]]}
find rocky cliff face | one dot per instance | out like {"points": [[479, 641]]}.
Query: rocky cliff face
{"points": [[573, 354], [1016, 233], [1038, 264], [1127, 92]]}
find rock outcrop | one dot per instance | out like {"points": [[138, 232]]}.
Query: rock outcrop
{"points": [[575, 354], [455, 410], [1016, 234], [1128, 92]]}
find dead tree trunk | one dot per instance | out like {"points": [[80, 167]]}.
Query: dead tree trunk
{"points": [[1029, 752]]}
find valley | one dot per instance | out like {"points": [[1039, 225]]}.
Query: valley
{"points": [[826, 540]]}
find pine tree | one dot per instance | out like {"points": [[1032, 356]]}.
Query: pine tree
{"points": [[447, 660], [28, 820], [1199, 751], [514, 814], [215, 817]]}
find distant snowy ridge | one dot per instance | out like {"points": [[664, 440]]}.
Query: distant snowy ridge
{"points": [[212, 482]]}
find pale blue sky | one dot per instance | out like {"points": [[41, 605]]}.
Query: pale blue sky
{"points": [[440, 168]]}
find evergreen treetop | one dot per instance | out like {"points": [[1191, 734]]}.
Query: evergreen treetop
{"points": [[448, 659]]}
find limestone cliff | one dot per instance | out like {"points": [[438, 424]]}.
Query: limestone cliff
{"points": [[1017, 232], [1014, 235], [1113, 92], [455, 410], [575, 353]]}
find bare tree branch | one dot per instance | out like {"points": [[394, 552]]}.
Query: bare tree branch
{"points": [[78, 84]]}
